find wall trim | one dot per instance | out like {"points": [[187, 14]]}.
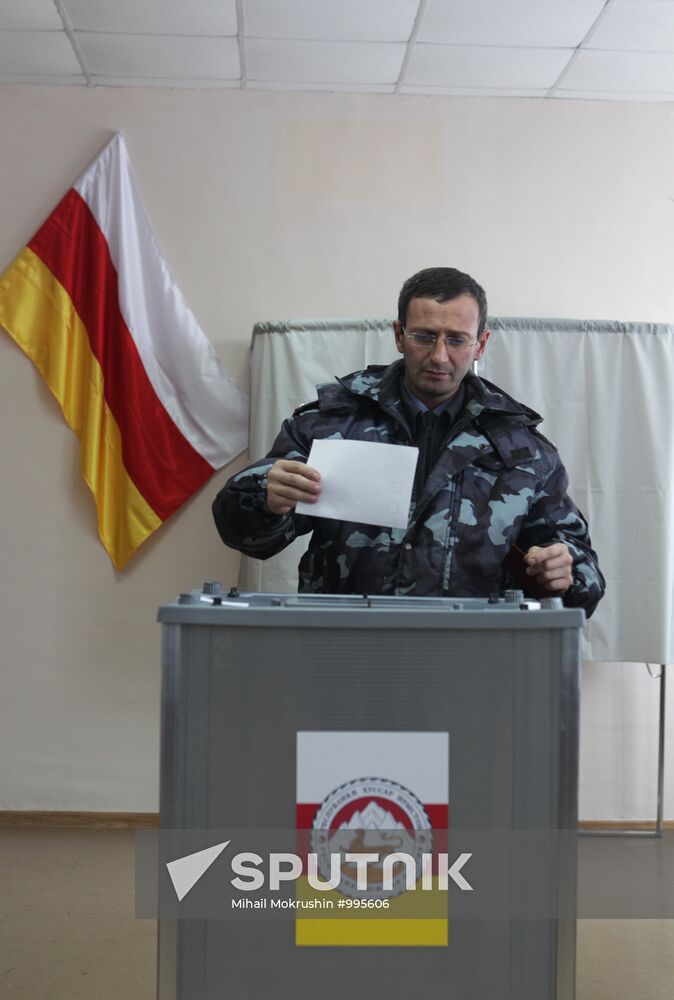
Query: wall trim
{"points": [[149, 820], [78, 820], [623, 824]]}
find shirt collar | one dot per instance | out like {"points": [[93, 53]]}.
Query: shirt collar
{"points": [[415, 405]]}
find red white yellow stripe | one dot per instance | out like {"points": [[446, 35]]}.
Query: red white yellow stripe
{"points": [[328, 764], [91, 302]]}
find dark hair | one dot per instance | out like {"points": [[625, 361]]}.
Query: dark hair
{"points": [[441, 284]]}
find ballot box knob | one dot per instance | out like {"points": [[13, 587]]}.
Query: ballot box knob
{"points": [[514, 596]]}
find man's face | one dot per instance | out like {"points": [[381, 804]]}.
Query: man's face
{"points": [[434, 374]]}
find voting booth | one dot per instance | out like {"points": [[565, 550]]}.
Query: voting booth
{"points": [[604, 390], [305, 711]]}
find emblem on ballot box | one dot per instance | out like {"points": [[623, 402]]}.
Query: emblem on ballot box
{"points": [[370, 817]]}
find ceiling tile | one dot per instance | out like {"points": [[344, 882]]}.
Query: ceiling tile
{"points": [[473, 91], [612, 95], [44, 79], [160, 17], [324, 62], [517, 48], [350, 20], [37, 52], [471, 66], [646, 25], [160, 56], [29, 14], [170, 82], [518, 22], [339, 88], [631, 72]]}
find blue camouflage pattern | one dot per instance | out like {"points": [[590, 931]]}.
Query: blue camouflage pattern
{"points": [[498, 481]]}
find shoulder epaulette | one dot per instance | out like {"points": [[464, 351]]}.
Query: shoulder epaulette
{"points": [[538, 434], [305, 407]]}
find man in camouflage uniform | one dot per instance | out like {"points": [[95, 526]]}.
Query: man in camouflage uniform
{"points": [[486, 479]]}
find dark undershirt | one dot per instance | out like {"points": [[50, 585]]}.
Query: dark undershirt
{"points": [[430, 429]]}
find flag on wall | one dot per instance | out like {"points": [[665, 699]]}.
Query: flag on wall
{"points": [[92, 303]]}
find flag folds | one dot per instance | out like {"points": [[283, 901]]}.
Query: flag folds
{"points": [[91, 301]]}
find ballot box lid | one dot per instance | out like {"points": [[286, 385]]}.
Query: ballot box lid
{"points": [[214, 604]]}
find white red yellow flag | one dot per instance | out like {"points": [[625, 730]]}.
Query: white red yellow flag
{"points": [[376, 792], [92, 303]]}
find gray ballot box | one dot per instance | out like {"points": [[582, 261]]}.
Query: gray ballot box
{"points": [[315, 711]]}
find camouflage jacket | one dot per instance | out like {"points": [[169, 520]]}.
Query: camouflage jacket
{"points": [[497, 481]]}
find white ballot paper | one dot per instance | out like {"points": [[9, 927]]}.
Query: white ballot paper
{"points": [[363, 481]]}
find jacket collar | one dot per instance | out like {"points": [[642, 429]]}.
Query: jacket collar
{"points": [[491, 421], [381, 384]]}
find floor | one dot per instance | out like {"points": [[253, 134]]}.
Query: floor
{"points": [[68, 931]]}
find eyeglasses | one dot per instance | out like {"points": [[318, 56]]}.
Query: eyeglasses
{"points": [[429, 341]]}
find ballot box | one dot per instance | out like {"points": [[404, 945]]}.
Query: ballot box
{"points": [[447, 724]]}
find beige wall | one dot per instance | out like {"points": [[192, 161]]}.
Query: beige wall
{"points": [[271, 206]]}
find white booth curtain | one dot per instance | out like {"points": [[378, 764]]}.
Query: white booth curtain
{"points": [[606, 393]]}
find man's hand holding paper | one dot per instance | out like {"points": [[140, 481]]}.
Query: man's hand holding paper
{"points": [[289, 483], [361, 481]]}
